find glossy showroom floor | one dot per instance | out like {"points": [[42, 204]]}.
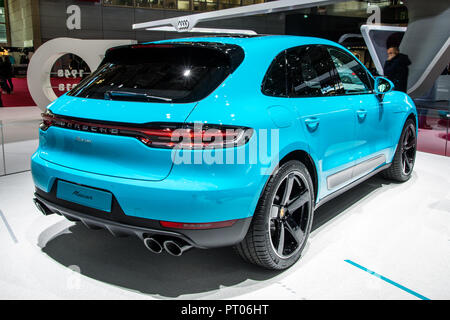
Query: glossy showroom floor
{"points": [[399, 231]]}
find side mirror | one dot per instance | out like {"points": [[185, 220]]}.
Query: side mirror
{"points": [[383, 86]]}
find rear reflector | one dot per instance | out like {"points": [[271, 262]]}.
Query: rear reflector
{"points": [[198, 226]]}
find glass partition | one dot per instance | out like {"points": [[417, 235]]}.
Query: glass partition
{"points": [[3, 34], [126, 3], [225, 4], [433, 130], [434, 117], [2, 153], [194, 5], [19, 140]]}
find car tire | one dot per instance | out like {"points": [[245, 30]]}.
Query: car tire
{"points": [[282, 220], [405, 155]]}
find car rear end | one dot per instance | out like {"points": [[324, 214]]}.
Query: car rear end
{"points": [[106, 153]]}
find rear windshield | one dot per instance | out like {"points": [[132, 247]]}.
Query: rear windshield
{"points": [[167, 73]]}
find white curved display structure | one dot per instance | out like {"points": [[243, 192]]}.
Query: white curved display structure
{"points": [[188, 22], [91, 51]]}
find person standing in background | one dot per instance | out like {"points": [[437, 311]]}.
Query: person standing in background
{"points": [[9, 72], [4, 73], [30, 55], [24, 59], [396, 68], [2, 81], [1, 101], [446, 71], [12, 59]]}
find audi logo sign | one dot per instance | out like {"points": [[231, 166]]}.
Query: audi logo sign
{"points": [[183, 24]]}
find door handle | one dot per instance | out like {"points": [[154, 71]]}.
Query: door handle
{"points": [[312, 123], [361, 114]]}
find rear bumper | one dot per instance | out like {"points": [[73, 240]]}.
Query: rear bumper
{"points": [[120, 225], [190, 194]]}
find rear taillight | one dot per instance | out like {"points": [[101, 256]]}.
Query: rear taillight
{"points": [[196, 136], [47, 120], [160, 135]]}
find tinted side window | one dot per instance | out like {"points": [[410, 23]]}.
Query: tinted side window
{"points": [[311, 72], [353, 76], [274, 83]]}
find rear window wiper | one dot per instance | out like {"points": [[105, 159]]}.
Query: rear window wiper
{"points": [[110, 95]]}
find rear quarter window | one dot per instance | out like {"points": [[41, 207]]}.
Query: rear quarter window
{"points": [[275, 80]]}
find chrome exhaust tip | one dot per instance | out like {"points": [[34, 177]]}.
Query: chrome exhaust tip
{"points": [[153, 245], [41, 207], [176, 247]]}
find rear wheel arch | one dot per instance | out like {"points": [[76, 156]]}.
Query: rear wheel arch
{"points": [[405, 153], [306, 159], [411, 116], [397, 134]]}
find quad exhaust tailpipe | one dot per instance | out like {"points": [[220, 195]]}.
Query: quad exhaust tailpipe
{"points": [[176, 247], [153, 245]]}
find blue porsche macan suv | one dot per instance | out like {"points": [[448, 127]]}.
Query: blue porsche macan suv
{"points": [[220, 141]]}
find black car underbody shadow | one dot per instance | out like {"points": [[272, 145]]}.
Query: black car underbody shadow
{"points": [[125, 262]]}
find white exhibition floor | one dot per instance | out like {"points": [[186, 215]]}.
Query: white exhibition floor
{"points": [[401, 232]]}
